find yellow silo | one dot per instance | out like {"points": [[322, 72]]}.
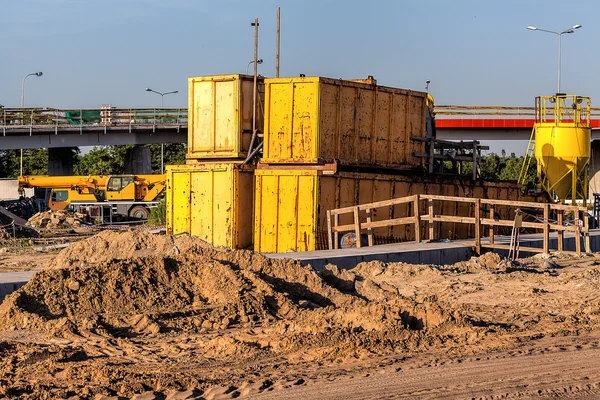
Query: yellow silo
{"points": [[562, 144]]}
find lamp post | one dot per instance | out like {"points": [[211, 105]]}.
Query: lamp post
{"points": [[559, 34], [162, 95], [250, 63], [38, 74], [162, 146]]}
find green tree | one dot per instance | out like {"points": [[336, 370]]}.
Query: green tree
{"points": [[35, 162], [174, 153], [101, 160]]}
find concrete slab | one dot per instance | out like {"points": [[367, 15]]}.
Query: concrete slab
{"points": [[439, 253], [11, 281]]}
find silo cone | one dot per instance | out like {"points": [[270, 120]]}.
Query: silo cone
{"points": [[562, 146]]}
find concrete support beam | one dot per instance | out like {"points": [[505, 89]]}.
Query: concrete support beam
{"points": [[60, 161], [138, 161], [594, 169]]}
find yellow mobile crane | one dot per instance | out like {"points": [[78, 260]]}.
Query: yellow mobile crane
{"points": [[123, 195]]}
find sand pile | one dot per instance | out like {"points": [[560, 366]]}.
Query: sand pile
{"points": [[200, 289], [116, 245], [60, 219]]}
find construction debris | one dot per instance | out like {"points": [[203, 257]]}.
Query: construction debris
{"points": [[60, 219]]}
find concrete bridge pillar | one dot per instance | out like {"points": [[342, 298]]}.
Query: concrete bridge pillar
{"points": [[594, 170], [60, 161], [138, 160]]}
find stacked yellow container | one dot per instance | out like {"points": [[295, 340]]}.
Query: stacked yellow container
{"points": [[330, 143], [211, 196]]}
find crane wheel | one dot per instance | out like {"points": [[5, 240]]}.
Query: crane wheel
{"points": [[139, 212]]}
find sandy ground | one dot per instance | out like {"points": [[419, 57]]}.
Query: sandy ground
{"points": [[130, 315]]}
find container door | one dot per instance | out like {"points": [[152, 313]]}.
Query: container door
{"points": [[178, 202], [214, 125], [293, 121], [286, 212], [212, 211]]}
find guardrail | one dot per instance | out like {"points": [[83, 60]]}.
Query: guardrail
{"points": [[415, 216], [444, 111], [52, 117]]}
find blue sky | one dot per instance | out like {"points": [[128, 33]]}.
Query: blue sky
{"points": [[474, 52]]}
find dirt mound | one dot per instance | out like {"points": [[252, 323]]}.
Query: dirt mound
{"points": [[117, 245], [200, 289], [60, 219]]}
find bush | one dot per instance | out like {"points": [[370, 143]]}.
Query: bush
{"points": [[158, 214]]}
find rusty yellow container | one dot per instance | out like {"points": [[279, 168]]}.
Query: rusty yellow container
{"points": [[291, 205], [213, 201], [315, 120], [220, 115]]}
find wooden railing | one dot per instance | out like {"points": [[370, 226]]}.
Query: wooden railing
{"points": [[477, 218]]}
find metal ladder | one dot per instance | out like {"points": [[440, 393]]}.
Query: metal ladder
{"points": [[529, 154]]}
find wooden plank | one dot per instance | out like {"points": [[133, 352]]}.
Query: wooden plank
{"points": [[491, 230], [357, 226], [377, 204], [448, 198], [561, 235], [505, 222], [389, 222], [546, 228], [417, 217], [478, 226], [329, 232], [369, 229], [578, 241], [586, 225], [511, 203], [336, 236], [444, 157], [375, 224], [448, 218], [521, 248], [431, 151], [430, 204]]}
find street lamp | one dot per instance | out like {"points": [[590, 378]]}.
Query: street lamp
{"points": [[559, 34], [162, 95], [250, 63], [162, 146], [38, 74]]}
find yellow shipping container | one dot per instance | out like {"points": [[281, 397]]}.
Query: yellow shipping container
{"points": [[220, 115], [315, 120], [213, 201], [291, 205]]}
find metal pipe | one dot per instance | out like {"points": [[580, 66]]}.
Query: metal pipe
{"points": [[277, 37], [254, 91], [255, 73], [38, 74]]}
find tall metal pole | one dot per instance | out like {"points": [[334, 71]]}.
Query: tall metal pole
{"points": [[23, 112], [278, 34], [559, 46], [254, 94], [255, 76]]}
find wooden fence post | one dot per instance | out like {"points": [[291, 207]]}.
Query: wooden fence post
{"points": [[369, 230], [357, 226], [417, 213], [586, 232], [329, 233], [477, 226], [336, 234], [561, 233], [546, 229], [492, 214], [431, 220]]}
